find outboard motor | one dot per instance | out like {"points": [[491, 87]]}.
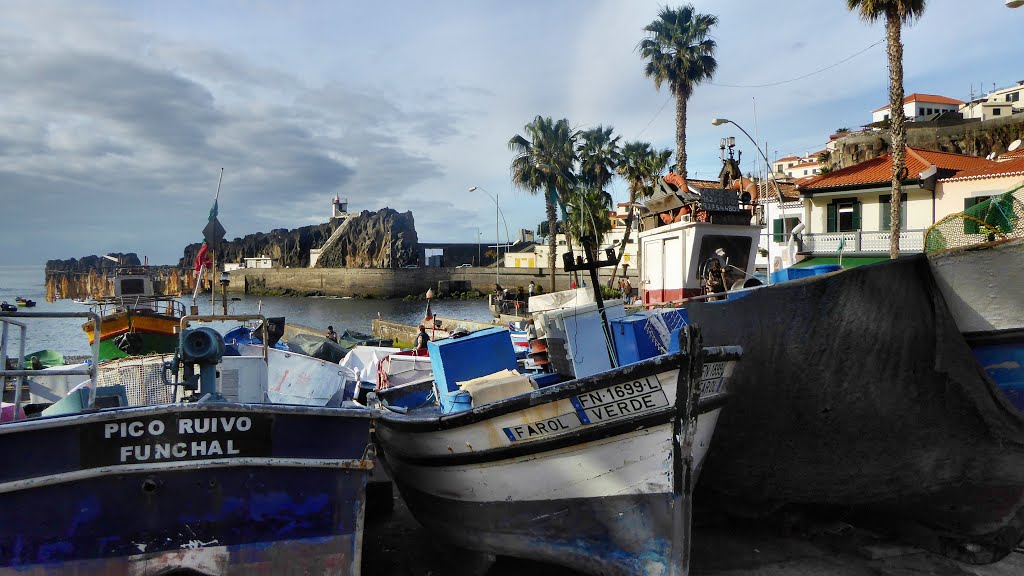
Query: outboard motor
{"points": [[203, 347]]}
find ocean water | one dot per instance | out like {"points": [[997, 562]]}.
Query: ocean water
{"points": [[67, 337]]}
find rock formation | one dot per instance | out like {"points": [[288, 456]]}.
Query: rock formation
{"points": [[972, 138], [382, 239], [92, 277]]}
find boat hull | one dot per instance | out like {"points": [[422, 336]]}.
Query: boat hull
{"points": [[530, 480], [859, 392], [284, 495], [153, 333]]}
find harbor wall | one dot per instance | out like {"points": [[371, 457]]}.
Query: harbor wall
{"points": [[397, 283]]}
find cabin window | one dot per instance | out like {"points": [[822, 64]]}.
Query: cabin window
{"points": [[843, 215], [996, 111], [133, 286], [734, 250], [885, 212], [781, 228]]}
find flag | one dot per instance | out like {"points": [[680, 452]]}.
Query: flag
{"points": [[429, 315], [842, 244], [213, 210], [203, 258]]}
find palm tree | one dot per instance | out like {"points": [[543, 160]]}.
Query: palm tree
{"points": [[599, 156], [896, 13], [641, 166], [680, 51], [544, 161], [588, 218]]}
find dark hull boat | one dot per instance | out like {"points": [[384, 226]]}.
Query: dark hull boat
{"points": [[208, 485], [859, 391]]}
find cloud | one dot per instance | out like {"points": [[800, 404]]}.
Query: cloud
{"points": [[118, 117]]}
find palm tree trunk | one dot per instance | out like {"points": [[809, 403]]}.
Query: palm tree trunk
{"points": [[898, 122], [681, 97], [552, 236]]}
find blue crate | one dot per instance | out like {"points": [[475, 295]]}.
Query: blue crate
{"points": [[455, 360], [633, 342]]}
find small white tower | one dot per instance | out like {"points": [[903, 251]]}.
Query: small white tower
{"points": [[339, 208]]}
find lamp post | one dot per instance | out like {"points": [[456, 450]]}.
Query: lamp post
{"points": [[782, 208], [497, 237], [225, 279], [478, 261]]}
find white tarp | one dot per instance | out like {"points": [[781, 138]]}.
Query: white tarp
{"points": [[362, 361], [298, 379]]}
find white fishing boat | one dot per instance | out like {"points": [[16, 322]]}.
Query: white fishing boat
{"points": [[593, 473]]}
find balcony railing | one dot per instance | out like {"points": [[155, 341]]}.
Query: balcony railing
{"points": [[857, 241]]}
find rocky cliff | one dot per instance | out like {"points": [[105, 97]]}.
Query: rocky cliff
{"points": [[382, 239], [92, 277], [973, 138]]}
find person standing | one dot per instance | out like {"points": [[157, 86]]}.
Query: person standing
{"points": [[531, 289], [421, 340], [627, 290]]}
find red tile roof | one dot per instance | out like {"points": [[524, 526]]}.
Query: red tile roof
{"points": [[879, 170], [769, 194], [1009, 168], [930, 98], [1018, 153], [786, 159]]}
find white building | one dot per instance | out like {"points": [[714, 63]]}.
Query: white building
{"points": [[986, 109], [613, 239], [919, 107], [798, 166], [1013, 95], [259, 262]]}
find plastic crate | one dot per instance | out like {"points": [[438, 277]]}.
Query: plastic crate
{"points": [[455, 360]]}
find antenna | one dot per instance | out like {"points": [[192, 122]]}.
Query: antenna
{"points": [[1014, 145]]}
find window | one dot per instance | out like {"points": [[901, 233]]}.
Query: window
{"points": [[805, 172], [843, 215], [886, 117], [733, 250], [133, 286], [971, 226], [781, 229], [885, 212], [1013, 97], [996, 111]]}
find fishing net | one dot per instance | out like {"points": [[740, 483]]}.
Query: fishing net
{"points": [[142, 377], [997, 218], [661, 324]]}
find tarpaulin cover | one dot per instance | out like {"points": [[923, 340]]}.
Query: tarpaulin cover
{"points": [[857, 390]]}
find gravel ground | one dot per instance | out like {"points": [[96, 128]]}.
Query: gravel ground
{"points": [[394, 544]]}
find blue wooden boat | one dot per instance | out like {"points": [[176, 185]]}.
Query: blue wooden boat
{"points": [[202, 486]]}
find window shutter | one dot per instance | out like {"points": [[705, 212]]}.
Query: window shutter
{"points": [[856, 215], [970, 226], [885, 204], [903, 214], [777, 230], [833, 214]]}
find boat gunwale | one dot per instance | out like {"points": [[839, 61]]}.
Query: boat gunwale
{"points": [[542, 445], [562, 390]]}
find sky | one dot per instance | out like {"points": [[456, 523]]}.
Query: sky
{"points": [[117, 117]]}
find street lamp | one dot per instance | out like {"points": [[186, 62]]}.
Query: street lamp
{"points": [[782, 207], [497, 236]]}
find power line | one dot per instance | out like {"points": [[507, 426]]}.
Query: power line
{"points": [[781, 82]]}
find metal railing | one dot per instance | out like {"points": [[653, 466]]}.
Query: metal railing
{"points": [[858, 241], [7, 319]]}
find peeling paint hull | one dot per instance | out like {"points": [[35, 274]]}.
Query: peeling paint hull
{"points": [[291, 504]]}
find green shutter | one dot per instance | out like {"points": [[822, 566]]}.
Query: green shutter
{"points": [[777, 234], [903, 214], [856, 215], [886, 207], [970, 226], [833, 217]]}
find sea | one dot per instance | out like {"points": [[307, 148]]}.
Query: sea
{"points": [[66, 335]]}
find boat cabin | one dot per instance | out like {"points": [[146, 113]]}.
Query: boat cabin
{"points": [[695, 241]]}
